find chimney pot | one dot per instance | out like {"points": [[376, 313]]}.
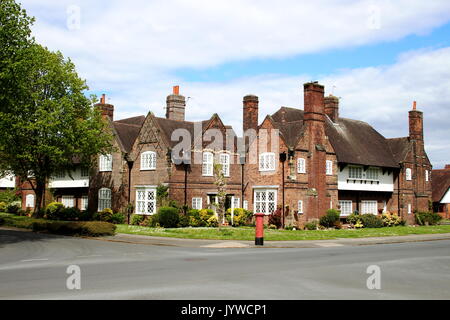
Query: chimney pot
{"points": [[103, 99], [414, 105]]}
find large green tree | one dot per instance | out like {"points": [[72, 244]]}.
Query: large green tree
{"points": [[46, 121]]}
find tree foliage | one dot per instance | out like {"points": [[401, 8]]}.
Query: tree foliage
{"points": [[221, 184], [46, 121]]}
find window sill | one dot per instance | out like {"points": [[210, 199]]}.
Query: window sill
{"points": [[154, 169]]}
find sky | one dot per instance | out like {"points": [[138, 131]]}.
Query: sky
{"points": [[378, 56]]}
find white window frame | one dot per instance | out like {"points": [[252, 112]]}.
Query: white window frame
{"points": [[267, 161], [427, 176], [355, 172], [329, 167], [207, 164], [408, 174], [409, 208], [84, 203], [367, 206], [301, 165], [146, 200], [346, 207], [29, 201], [104, 199], [148, 160], [225, 162], [262, 203], [300, 206], [68, 201], [372, 174], [197, 203], [105, 163], [236, 202], [245, 205]]}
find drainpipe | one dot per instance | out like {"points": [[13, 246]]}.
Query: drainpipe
{"points": [[283, 158], [130, 166]]}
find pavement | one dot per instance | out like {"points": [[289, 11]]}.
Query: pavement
{"points": [[200, 243], [34, 266]]}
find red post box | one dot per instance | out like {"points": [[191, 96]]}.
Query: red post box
{"points": [[259, 230]]}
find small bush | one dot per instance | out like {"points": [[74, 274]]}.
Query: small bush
{"points": [[13, 208], [371, 221], [330, 219], [53, 210], [275, 218], [105, 215], [70, 214], [428, 218], [184, 221], [241, 217], [353, 218], [168, 217], [3, 207], [312, 225], [137, 219], [391, 219], [212, 222], [86, 215], [92, 228], [118, 218]]}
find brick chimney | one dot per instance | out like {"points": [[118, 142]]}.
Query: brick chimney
{"points": [[176, 105], [314, 119], [415, 123], [332, 107], [107, 110], [250, 116]]}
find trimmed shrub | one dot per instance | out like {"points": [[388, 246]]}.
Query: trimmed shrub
{"points": [[371, 221], [330, 219], [118, 218], [70, 214], [241, 217], [3, 207], [167, 217], [105, 215], [184, 221], [53, 210], [92, 228], [391, 219], [13, 208], [353, 218], [312, 225], [137, 219], [427, 218], [275, 218], [212, 222]]}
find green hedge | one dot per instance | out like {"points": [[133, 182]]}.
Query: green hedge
{"points": [[428, 218], [70, 228]]}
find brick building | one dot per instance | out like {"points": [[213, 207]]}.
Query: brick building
{"points": [[310, 160], [441, 191]]}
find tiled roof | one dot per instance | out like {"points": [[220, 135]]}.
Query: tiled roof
{"points": [[441, 183]]}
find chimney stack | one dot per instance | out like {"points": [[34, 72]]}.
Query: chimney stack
{"points": [[250, 116], [332, 107], [107, 110], [415, 123], [447, 167], [176, 105], [314, 101]]}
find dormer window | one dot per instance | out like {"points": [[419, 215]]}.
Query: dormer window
{"points": [[148, 160], [267, 161]]}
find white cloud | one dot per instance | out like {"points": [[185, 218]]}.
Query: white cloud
{"points": [[130, 48]]}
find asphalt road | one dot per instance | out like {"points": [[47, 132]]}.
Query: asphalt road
{"points": [[33, 266]]}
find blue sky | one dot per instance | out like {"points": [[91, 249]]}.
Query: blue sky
{"points": [[378, 56]]}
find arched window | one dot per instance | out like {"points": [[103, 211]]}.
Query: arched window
{"points": [[301, 165], [225, 162], [408, 174], [29, 201], [207, 167], [148, 160], [104, 199], [105, 162]]}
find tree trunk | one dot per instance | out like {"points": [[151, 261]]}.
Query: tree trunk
{"points": [[39, 190]]}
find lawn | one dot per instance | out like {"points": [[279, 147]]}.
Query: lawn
{"points": [[244, 233]]}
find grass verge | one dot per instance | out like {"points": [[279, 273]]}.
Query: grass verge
{"points": [[245, 233]]}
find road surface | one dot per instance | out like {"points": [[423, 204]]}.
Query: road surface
{"points": [[34, 266]]}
